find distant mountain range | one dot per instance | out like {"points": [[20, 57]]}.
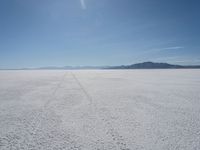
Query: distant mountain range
{"points": [[144, 65], [153, 65]]}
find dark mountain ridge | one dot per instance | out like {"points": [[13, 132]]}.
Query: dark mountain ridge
{"points": [[153, 65]]}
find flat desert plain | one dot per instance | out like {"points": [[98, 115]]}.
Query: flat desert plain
{"points": [[100, 110]]}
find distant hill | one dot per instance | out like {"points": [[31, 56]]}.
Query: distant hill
{"points": [[152, 65]]}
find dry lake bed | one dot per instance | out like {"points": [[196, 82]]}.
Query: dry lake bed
{"points": [[100, 110]]}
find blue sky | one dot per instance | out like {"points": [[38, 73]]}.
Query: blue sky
{"points": [[35, 33]]}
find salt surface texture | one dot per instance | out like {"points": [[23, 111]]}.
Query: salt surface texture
{"points": [[100, 109]]}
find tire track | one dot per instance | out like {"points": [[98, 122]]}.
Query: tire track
{"points": [[39, 116], [118, 139], [57, 132], [56, 89], [83, 89]]}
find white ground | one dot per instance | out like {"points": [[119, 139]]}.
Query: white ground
{"points": [[100, 110]]}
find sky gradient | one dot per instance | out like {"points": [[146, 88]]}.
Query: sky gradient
{"points": [[37, 33]]}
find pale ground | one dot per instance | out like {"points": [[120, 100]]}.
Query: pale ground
{"points": [[100, 110]]}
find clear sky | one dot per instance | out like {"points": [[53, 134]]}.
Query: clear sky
{"points": [[36, 33]]}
